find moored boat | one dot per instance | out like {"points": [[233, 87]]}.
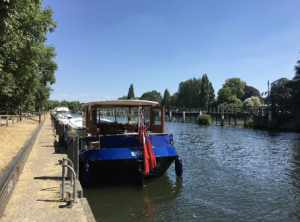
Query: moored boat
{"points": [[133, 147], [63, 114]]}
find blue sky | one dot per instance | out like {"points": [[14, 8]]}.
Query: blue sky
{"points": [[105, 45]]}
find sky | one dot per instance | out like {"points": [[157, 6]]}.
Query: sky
{"points": [[103, 46]]}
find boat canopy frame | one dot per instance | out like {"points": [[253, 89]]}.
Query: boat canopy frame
{"points": [[94, 129]]}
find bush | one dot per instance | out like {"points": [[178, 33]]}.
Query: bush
{"points": [[204, 120], [249, 123]]}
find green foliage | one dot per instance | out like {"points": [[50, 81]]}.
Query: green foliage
{"points": [[211, 94], [123, 98], [74, 106], [253, 101], [152, 96], [195, 93], [236, 86], [188, 93], [232, 102], [250, 91], [224, 94], [249, 123], [280, 91], [297, 71], [204, 120], [204, 91], [166, 100], [232, 92], [130, 92], [26, 64], [294, 86], [174, 100]]}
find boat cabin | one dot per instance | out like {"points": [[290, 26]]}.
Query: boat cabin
{"points": [[121, 117]]}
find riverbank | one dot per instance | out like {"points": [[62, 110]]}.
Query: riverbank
{"points": [[36, 195]]}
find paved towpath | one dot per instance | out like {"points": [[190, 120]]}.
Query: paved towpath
{"points": [[36, 196]]}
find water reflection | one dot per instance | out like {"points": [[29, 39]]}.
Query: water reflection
{"points": [[127, 201]]}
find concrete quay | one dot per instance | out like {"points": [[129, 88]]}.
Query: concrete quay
{"points": [[36, 196]]}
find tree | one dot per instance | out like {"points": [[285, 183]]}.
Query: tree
{"points": [[236, 85], [297, 71], [188, 93], [253, 101], [232, 92], [204, 92], [251, 91], [223, 95], [174, 100], [26, 64], [166, 101], [211, 94], [232, 102], [130, 92], [123, 98], [280, 91], [152, 96], [294, 87]]}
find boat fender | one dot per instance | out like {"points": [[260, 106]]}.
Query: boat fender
{"points": [[178, 166], [86, 173]]}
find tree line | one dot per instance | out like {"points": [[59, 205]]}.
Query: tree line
{"points": [[196, 93], [74, 106]]}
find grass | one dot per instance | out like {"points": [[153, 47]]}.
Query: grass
{"points": [[13, 138]]}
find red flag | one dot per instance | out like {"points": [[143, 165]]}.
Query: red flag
{"points": [[148, 155]]}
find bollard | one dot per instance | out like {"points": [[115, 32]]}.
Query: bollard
{"points": [[222, 119], [61, 135], [73, 151]]}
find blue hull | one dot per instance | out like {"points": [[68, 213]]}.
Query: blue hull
{"points": [[119, 158]]}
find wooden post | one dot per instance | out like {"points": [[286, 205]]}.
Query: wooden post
{"points": [[39, 118], [222, 117], [170, 116], [6, 120], [183, 116]]}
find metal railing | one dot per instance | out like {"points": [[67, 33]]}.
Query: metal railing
{"points": [[70, 186]]}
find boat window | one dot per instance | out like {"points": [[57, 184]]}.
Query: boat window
{"points": [[93, 117], [107, 114], [122, 115], [84, 111], [157, 117], [134, 115], [63, 112], [147, 116]]}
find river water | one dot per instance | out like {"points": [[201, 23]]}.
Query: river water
{"points": [[231, 173]]}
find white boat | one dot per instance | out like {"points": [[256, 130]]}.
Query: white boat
{"points": [[75, 125], [63, 114]]}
